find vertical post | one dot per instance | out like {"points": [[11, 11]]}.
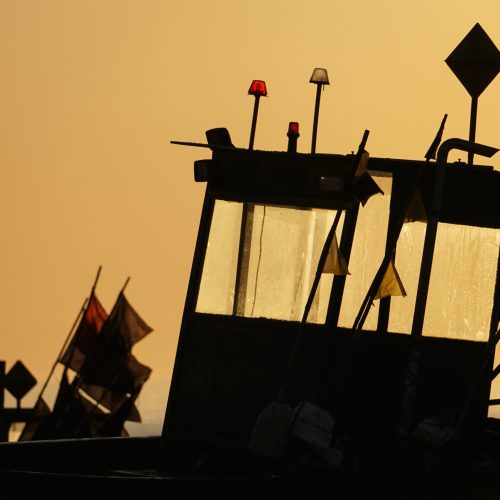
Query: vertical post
{"points": [[319, 86], [319, 78], [240, 287], [409, 393], [187, 316], [472, 128], [254, 121], [245, 234], [410, 385], [345, 247], [257, 89]]}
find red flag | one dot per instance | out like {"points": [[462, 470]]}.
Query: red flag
{"points": [[85, 340]]}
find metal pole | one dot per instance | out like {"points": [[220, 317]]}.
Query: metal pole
{"points": [[254, 121], [319, 86], [472, 128], [245, 234], [240, 287], [410, 390]]}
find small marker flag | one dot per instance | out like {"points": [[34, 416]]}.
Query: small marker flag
{"points": [[335, 262], [391, 284]]}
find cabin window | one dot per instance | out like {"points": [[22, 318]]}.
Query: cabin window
{"points": [[271, 277], [460, 296], [461, 288]]}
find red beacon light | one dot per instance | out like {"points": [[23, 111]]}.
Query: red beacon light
{"points": [[258, 88], [293, 135], [293, 129]]}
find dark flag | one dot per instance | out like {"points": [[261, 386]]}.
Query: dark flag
{"points": [[85, 340], [114, 366], [69, 415], [108, 374], [431, 152], [114, 423], [108, 399], [363, 185], [34, 428], [416, 210], [119, 372], [126, 324]]}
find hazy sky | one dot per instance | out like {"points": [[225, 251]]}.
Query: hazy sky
{"points": [[93, 91]]}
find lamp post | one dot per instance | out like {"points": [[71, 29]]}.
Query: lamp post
{"points": [[257, 89], [320, 78]]}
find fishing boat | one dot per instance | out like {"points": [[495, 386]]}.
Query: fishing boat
{"points": [[337, 339]]}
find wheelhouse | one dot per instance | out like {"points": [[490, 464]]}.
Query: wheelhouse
{"points": [[265, 220]]}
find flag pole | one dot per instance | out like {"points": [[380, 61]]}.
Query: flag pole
{"points": [[92, 292], [68, 337], [124, 285], [75, 323], [66, 342], [82, 313], [96, 280], [292, 359], [391, 247]]}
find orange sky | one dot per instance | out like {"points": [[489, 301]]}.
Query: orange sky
{"points": [[92, 92]]}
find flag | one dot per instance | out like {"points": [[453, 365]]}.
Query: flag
{"points": [[363, 186], [431, 152], [391, 283], [335, 262], [416, 210], [85, 340], [125, 324], [114, 423], [112, 365], [111, 400], [69, 417], [117, 371], [34, 428]]}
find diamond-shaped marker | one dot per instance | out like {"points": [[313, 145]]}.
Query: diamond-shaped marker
{"points": [[19, 380], [475, 61]]}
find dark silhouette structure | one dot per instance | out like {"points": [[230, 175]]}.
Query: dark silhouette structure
{"points": [[299, 371]]}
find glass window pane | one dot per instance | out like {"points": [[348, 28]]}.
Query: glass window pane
{"points": [[219, 271], [282, 249], [366, 256], [462, 281], [285, 249], [408, 260]]}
